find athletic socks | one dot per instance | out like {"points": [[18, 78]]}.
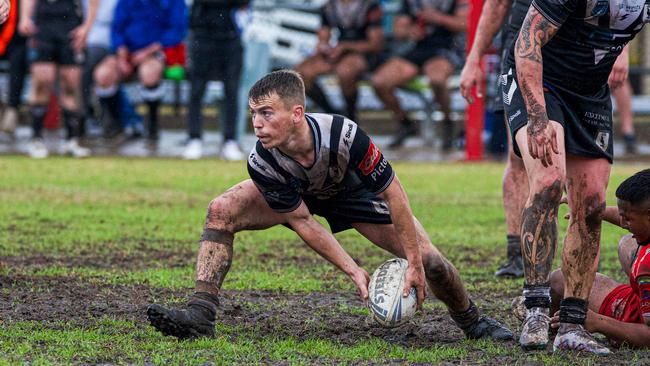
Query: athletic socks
{"points": [[537, 296], [351, 106], [72, 121], [37, 112], [573, 310], [316, 94]]}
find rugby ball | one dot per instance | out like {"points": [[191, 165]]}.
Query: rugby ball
{"points": [[387, 305]]}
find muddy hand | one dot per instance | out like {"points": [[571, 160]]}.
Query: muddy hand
{"points": [[542, 144], [361, 280], [415, 278], [471, 77]]}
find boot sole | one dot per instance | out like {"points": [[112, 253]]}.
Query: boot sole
{"points": [[159, 319]]}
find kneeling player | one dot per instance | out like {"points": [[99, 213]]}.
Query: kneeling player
{"points": [[622, 311], [305, 164]]}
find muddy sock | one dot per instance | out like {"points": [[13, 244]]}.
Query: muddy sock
{"points": [[573, 310], [514, 246], [467, 318], [37, 112], [205, 303], [316, 94], [537, 296], [72, 122]]}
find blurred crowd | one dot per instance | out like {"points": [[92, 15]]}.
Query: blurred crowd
{"points": [[84, 53]]}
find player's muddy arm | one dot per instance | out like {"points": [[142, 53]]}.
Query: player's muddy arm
{"points": [[634, 334], [535, 32], [320, 239], [492, 16], [612, 216]]}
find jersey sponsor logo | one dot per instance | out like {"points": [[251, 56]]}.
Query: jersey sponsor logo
{"points": [[380, 169], [370, 160], [602, 140], [515, 115]]}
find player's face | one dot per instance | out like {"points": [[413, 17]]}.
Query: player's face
{"points": [[635, 219], [272, 120]]}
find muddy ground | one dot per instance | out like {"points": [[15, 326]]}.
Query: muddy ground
{"points": [[330, 316]]}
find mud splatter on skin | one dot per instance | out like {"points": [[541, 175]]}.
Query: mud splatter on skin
{"points": [[212, 265], [539, 234], [445, 283], [582, 242]]}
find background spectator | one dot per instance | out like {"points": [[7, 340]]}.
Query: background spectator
{"points": [[140, 32], [13, 48], [58, 33], [216, 50], [432, 25], [357, 50]]}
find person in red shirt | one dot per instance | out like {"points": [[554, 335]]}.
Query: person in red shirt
{"points": [[619, 311]]}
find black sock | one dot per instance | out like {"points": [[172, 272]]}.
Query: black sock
{"points": [[111, 106], [153, 117], [37, 112], [467, 318], [514, 245], [537, 296], [573, 310], [316, 94], [72, 121], [351, 106]]}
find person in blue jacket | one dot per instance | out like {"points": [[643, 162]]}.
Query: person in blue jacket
{"points": [[141, 31]]}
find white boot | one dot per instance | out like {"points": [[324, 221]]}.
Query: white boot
{"points": [[193, 150], [72, 147], [231, 151], [36, 149]]}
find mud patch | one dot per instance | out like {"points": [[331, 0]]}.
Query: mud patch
{"points": [[330, 316]]}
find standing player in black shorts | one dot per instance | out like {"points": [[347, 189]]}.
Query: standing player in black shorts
{"points": [[431, 24], [565, 106], [306, 164], [58, 34], [358, 49]]}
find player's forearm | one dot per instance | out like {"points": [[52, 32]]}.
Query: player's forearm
{"points": [[612, 216], [535, 32], [634, 334], [402, 217], [491, 20], [27, 8], [374, 44], [323, 243], [92, 13]]}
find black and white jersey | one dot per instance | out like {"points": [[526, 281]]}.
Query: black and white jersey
{"points": [[436, 36], [346, 161], [351, 18], [58, 11], [591, 35]]}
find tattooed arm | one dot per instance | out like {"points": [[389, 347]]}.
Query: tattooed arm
{"points": [[535, 32]]}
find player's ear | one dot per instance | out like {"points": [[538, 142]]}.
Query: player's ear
{"points": [[298, 112]]}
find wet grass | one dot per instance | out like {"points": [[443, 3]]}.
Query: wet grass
{"points": [[136, 222]]}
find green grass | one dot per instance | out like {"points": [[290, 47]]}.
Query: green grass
{"points": [[137, 222]]}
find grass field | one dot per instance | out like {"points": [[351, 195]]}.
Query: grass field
{"points": [[86, 245]]}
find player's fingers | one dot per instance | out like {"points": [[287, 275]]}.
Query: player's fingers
{"points": [[420, 296], [549, 156], [554, 145], [479, 89]]}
